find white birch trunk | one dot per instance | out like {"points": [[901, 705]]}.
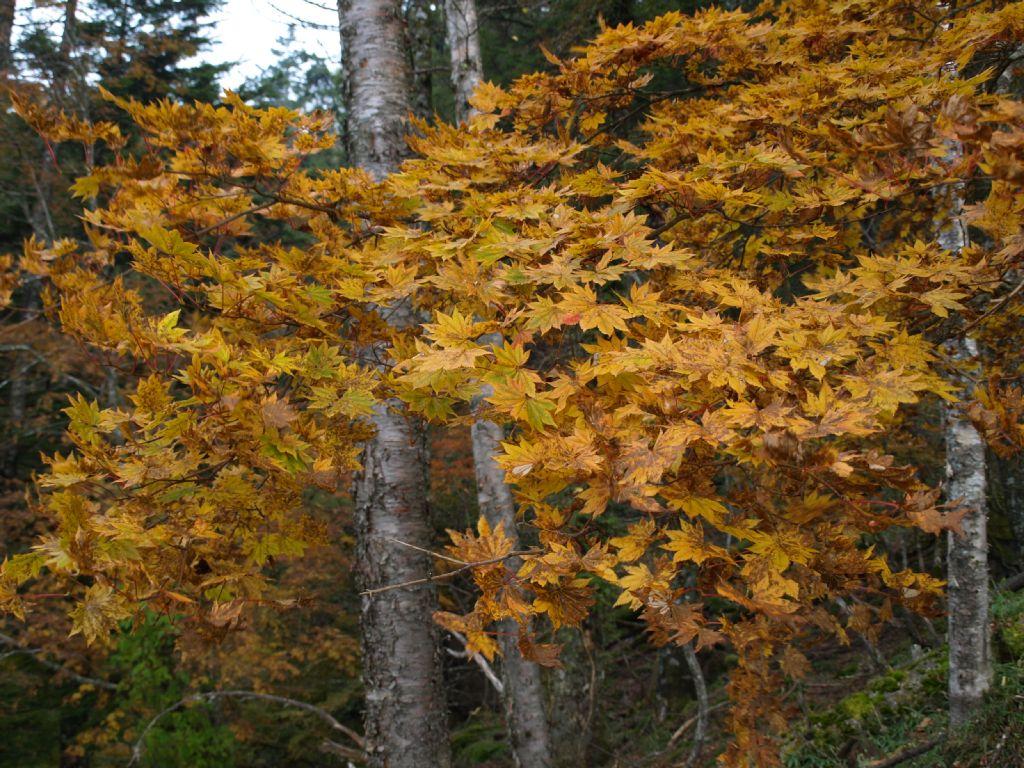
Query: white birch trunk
{"points": [[967, 564], [523, 694], [525, 715], [464, 44], [967, 557], [406, 716]]}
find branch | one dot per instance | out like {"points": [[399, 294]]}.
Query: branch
{"points": [[55, 666], [687, 724], [479, 659], [1011, 584], [464, 566], [907, 754], [85, 386], [999, 305], [139, 749]]}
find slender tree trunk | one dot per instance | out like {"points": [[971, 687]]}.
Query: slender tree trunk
{"points": [[406, 717], [421, 42], [967, 554], [70, 33], [6, 31], [525, 715], [523, 692], [463, 35], [967, 564]]}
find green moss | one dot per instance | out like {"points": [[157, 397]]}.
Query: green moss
{"points": [[859, 705], [889, 682]]}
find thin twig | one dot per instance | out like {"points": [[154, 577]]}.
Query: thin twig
{"points": [[1002, 303], [448, 574], [688, 724]]}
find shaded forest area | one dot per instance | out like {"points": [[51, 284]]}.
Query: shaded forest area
{"points": [[551, 384]]}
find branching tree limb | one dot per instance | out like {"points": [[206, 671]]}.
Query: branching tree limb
{"points": [[55, 666]]}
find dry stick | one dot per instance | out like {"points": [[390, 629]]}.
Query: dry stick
{"points": [[908, 754], [682, 729], [139, 749], [1002, 303], [1011, 584]]}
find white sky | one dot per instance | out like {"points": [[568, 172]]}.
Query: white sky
{"points": [[245, 31]]}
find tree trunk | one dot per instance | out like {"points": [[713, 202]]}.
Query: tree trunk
{"points": [[463, 32], [376, 55], [6, 31], [523, 694], [967, 556], [967, 569], [421, 43], [406, 716], [525, 715]]}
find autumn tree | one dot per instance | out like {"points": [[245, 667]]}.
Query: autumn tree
{"points": [[696, 266]]}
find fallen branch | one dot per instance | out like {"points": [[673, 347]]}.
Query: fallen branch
{"points": [[682, 729], [1011, 584], [139, 749], [908, 754]]}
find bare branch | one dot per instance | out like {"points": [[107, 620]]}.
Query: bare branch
{"points": [[55, 666], [139, 749], [479, 659], [448, 574]]}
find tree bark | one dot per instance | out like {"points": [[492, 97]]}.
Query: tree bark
{"points": [[376, 55], [463, 33], [701, 689], [421, 43], [523, 695], [967, 567], [525, 715], [406, 716], [970, 667], [405, 711]]}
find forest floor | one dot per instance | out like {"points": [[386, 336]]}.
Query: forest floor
{"points": [[887, 707]]}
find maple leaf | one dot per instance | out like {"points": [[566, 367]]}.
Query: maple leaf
{"points": [[636, 543], [544, 654]]}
